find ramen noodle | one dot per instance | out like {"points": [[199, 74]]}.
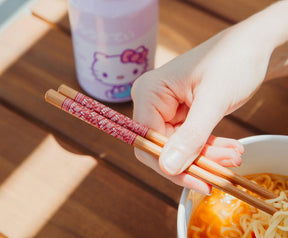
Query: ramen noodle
{"points": [[222, 215]]}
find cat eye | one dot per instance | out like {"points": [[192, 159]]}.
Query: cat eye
{"points": [[135, 71], [105, 75]]}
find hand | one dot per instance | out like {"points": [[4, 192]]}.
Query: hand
{"points": [[187, 97]]}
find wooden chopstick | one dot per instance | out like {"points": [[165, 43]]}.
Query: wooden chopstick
{"points": [[113, 115], [159, 139], [126, 135]]}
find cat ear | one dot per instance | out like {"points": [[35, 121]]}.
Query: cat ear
{"points": [[99, 56], [141, 48]]}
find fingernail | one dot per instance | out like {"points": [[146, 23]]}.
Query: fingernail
{"points": [[231, 162], [227, 163], [205, 192], [239, 149], [237, 162], [174, 161]]}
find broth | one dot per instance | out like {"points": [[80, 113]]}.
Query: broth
{"points": [[219, 215]]}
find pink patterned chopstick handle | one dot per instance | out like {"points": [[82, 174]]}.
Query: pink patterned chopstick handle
{"points": [[98, 121], [109, 113]]}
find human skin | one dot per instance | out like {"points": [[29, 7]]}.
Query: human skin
{"points": [[187, 97]]}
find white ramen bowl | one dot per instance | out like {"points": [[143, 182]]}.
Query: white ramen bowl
{"points": [[263, 154]]}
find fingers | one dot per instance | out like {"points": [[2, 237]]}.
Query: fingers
{"points": [[183, 179], [142, 106], [153, 104], [228, 157], [223, 151], [187, 142], [225, 142], [157, 108]]}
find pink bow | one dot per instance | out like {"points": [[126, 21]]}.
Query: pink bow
{"points": [[132, 56]]}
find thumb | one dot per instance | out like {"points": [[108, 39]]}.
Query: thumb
{"points": [[187, 142]]}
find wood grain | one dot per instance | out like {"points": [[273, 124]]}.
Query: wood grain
{"points": [[268, 109], [53, 12], [26, 82], [232, 11], [51, 186]]}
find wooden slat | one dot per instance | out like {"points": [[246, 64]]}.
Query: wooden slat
{"points": [[232, 11], [43, 171], [54, 11], [193, 25]]}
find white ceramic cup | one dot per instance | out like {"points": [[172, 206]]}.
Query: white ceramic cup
{"points": [[263, 154]]}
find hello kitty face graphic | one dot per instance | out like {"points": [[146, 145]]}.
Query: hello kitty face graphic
{"points": [[119, 71]]}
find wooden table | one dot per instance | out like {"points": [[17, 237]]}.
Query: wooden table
{"points": [[61, 178]]}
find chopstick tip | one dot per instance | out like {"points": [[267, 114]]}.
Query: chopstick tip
{"points": [[67, 91], [54, 98], [48, 94], [60, 88]]}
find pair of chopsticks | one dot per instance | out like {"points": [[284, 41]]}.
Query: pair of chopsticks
{"points": [[148, 140]]}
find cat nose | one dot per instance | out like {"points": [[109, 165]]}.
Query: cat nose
{"points": [[120, 77]]}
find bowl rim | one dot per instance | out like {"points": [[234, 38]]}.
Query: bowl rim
{"points": [[259, 138], [182, 229]]}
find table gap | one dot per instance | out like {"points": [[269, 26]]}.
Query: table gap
{"points": [[209, 12], [52, 24]]}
